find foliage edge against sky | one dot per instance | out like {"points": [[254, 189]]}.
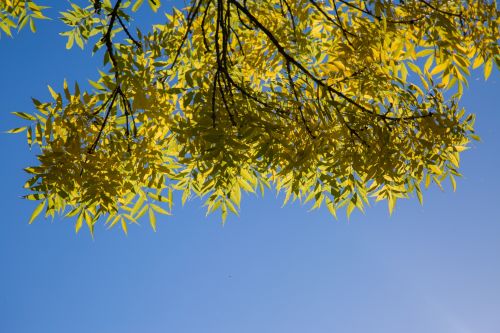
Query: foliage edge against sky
{"points": [[330, 102]]}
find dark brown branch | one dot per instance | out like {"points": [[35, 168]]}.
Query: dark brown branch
{"points": [[205, 42], [129, 35], [214, 93], [292, 18], [97, 6], [304, 70], [295, 94], [103, 125], [329, 18], [353, 75], [114, 15], [267, 107], [291, 59], [379, 18], [102, 106], [241, 20], [428, 4], [109, 43], [352, 131], [193, 11]]}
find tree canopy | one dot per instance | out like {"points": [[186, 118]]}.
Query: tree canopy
{"points": [[330, 102]]}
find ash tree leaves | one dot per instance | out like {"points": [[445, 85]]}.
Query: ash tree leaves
{"points": [[329, 102], [16, 14]]}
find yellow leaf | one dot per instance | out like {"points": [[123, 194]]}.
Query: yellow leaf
{"points": [[152, 219], [137, 5], [350, 208], [391, 202], [37, 211], [419, 194], [461, 148], [160, 210], [439, 68], [477, 62], [435, 169], [487, 69], [79, 222], [17, 130], [331, 208], [453, 183], [24, 115], [124, 226]]}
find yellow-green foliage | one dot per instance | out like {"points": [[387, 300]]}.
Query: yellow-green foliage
{"points": [[330, 102], [15, 14]]}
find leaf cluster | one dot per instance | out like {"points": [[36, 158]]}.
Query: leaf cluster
{"points": [[15, 14], [329, 102]]}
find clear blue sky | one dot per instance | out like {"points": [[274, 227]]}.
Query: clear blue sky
{"points": [[432, 269]]}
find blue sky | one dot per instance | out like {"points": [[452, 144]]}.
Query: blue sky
{"points": [[433, 268]]}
